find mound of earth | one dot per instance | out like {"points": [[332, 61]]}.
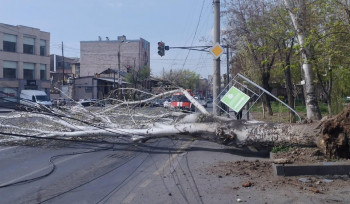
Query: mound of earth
{"points": [[334, 140]]}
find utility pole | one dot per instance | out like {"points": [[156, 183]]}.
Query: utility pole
{"points": [[228, 75], [216, 74], [119, 79], [62, 63]]}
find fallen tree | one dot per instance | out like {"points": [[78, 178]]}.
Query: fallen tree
{"points": [[331, 135]]}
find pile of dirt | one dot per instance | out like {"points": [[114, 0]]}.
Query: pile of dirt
{"points": [[334, 140], [259, 175], [302, 155]]}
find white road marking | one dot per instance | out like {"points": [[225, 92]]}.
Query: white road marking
{"points": [[6, 148], [41, 169], [129, 198], [145, 184]]}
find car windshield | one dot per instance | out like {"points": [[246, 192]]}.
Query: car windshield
{"points": [[42, 98], [179, 98]]}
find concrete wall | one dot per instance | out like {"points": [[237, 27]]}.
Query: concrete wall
{"points": [[97, 56], [84, 88], [20, 57]]}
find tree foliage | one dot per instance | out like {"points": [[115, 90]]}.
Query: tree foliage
{"points": [[183, 78], [136, 77], [308, 39]]}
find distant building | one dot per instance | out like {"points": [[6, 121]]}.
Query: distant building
{"points": [[103, 63], [24, 61], [98, 56], [71, 70]]}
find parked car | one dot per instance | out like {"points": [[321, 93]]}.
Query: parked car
{"points": [[61, 102], [34, 98], [92, 102], [166, 103], [210, 99], [156, 103], [203, 102]]}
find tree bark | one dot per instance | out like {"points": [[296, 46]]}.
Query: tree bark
{"points": [[289, 88], [265, 83], [297, 13]]}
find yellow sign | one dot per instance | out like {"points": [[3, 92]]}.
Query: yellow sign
{"points": [[217, 50]]}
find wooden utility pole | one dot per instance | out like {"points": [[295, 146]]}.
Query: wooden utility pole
{"points": [[216, 74], [63, 64]]}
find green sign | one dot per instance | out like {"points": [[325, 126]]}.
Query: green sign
{"points": [[235, 99]]}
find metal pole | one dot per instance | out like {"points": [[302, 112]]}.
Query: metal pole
{"points": [[119, 86], [216, 74], [119, 66], [114, 80], [228, 74], [62, 63]]}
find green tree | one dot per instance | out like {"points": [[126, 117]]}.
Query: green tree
{"points": [[248, 30], [137, 77], [182, 78]]}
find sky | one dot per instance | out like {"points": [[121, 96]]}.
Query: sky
{"points": [[178, 23]]}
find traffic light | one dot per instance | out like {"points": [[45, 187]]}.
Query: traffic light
{"points": [[161, 48]]}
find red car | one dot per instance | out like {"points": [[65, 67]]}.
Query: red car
{"points": [[179, 101]]}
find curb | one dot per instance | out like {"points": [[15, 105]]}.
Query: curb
{"points": [[322, 168], [6, 110]]}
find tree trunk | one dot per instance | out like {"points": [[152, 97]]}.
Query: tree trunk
{"points": [[299, 22], [265, 84], [289, 88], [312, 109], [331, 136]]}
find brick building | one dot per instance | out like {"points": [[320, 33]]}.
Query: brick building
{"points": [[104, 62], [97, 56]]}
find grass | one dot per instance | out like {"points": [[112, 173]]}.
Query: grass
{"points": [[280, 148], [278, 107], [281, 112]]}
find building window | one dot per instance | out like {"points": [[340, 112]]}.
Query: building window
{"points": [[9, 43], [9, 69], [42, 71], [28, 71], [28, 45], [42, 47], [88, 89]]}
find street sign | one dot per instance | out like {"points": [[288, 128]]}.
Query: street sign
{"points": [[235, 99], [217, 50]]}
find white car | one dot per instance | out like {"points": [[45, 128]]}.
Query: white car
{"points": [[203, 102], [34, 98], [166, 104]]}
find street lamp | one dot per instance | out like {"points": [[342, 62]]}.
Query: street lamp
{"points": [[119, 79]]}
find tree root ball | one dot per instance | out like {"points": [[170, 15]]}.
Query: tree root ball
{"points": [[334, 140]]}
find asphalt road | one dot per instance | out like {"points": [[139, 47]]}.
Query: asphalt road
{"points": [[159, 171], [83, 173]]}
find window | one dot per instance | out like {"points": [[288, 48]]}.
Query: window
{"points": [[42, 47], [9, 69], [9, 43], [42, 71], [28, 45], [88, 89], [28, 71]]}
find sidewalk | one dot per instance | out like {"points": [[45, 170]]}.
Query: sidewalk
{"points": [[213, 173]]}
